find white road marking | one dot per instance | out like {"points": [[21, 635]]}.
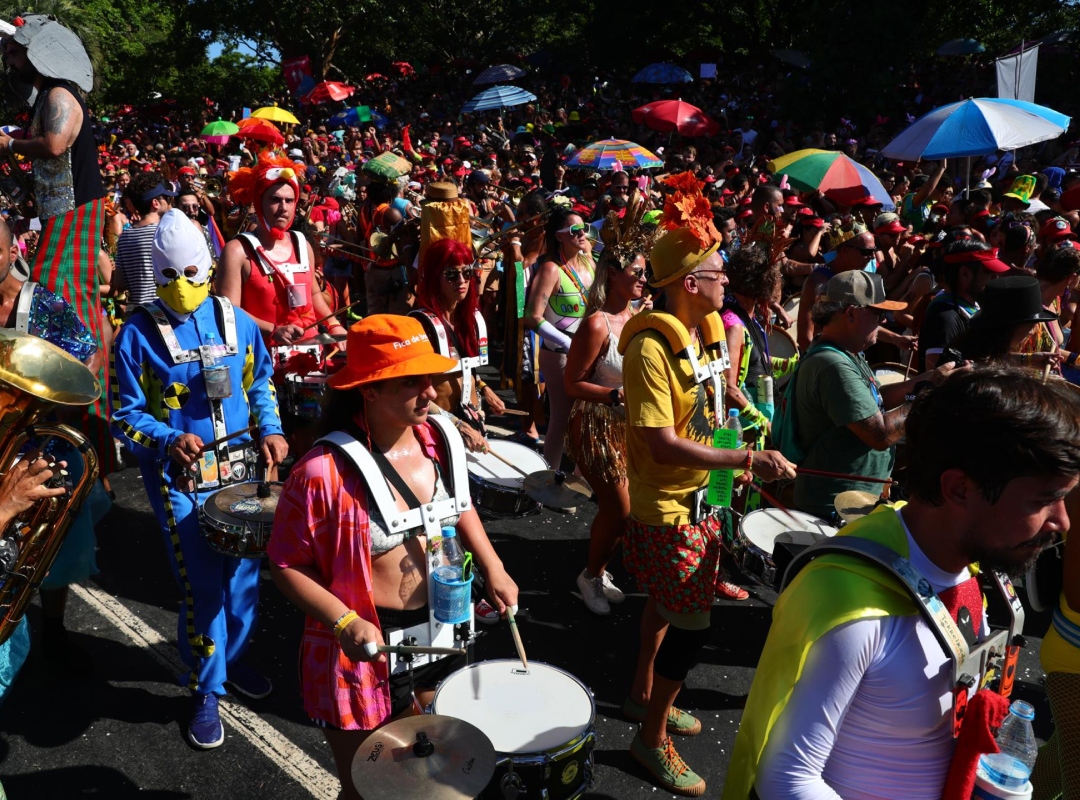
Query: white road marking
{"points": [[278, 748]]}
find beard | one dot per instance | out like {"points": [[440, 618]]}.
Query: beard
{"points": [[1013, 561]]}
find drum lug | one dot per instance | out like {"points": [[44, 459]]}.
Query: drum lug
{"points": [[511, 785]]}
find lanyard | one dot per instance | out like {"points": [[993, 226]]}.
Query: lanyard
{"points": [[569, 272]]}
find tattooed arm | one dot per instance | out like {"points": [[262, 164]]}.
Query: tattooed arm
{"points": [[62, 118]]}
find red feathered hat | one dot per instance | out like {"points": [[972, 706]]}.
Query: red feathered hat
{"points": [[248, 184]]}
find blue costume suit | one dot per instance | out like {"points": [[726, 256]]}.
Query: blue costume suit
{"points": [[155, 400]]}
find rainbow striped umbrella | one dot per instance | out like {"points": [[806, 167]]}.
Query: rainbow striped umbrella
{"points": [[607, 153], [833, 174]]}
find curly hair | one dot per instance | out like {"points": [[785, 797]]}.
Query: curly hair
{"points": [[751, 274]]}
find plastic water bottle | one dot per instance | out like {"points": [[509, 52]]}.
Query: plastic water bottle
{"points": [[452, 554], [732, 422], [765, 396], [1011, 767], [212, 353], [452, 587]]}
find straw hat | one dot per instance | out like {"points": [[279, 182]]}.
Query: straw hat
{"points": [[675, 254]]}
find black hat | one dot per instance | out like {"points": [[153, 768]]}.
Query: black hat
{"points": [[1011, 301]]}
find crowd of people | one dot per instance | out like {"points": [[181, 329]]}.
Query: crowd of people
{"points": [[330, 303]]}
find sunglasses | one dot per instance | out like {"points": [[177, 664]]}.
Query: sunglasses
{"points": [[574, 230], [466, 274], [866, 251], [636, 273], [714, 274]]}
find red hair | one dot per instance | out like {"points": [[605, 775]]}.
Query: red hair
{"points": [[439, 256]]}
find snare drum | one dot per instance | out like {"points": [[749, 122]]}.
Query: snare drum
{"points": [[236, 521], [495, 487], [280, 355], [782, 345], [304, 395], [759, 531], [539, 720], [888, 373]]}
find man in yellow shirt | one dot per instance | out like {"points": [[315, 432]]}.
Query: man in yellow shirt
{"points": [[672, 546]]}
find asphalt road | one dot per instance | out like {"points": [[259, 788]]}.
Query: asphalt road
{"points": [[116, 731]]}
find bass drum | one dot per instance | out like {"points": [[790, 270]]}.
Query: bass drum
{"points": [[782, 345], [496, 487]]}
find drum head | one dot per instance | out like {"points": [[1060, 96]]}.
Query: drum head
{"points": [[520, 711], [782, 345], [241, 503], [486, 467], [761, 527], [888, 373]]}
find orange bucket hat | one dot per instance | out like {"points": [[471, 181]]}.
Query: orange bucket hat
{"points": [[387, 346]]}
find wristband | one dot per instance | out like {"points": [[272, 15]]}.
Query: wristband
{"points": [[343, 622], [749, 465], [1071, 360], [614, 395]]}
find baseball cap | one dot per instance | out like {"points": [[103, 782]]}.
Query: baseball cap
{"points": [[983, 258], [186, 171], [157, 191], [1056, 230], [863, 289], [385, 346]]}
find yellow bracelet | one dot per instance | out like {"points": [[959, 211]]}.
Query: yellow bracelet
{"points": [[343, 622]]}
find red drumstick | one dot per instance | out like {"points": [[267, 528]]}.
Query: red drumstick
{"points": [[820, 473]]}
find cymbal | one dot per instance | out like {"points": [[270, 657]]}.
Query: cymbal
{"points": [[557, 490], [391, 765], [327, 338], [853, 505]]}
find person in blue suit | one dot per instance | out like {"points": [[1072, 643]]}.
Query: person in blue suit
{"points": [[188, 369]]}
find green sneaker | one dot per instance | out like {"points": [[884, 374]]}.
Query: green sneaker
{"points": [[668, 768], [679, 722]]}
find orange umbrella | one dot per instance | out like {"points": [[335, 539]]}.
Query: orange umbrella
{"points": [[259, 130]]}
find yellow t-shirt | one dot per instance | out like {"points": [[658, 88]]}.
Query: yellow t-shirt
{"points": [[660, 393]]}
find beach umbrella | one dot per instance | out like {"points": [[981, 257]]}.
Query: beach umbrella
{"points": [[497, 73], [328, 91], [498, 97], [833, 174], [976, 127], [663, 73], [675, 116], [960, 47], [275, 114], [259, 130], [614, 154]]}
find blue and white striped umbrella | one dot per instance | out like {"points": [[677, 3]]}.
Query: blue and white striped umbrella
{"points": [[498, 97], [975, 127], [499, 72], [663, 73]]}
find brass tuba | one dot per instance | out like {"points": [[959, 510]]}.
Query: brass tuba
{"points": [[36, 376]]}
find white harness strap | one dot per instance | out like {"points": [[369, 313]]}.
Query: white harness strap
{"points": [[287, 269], [467, 364], [429, 517], [712, 371], [172, 344], [22, 307]]}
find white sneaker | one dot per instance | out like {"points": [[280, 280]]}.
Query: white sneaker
{"points": [[612, 592], [592, 592]]}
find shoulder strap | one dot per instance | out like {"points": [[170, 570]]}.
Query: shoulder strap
{"points": [[23, 305], [442, 342], [481, 337], [300, 244], [227, 317], [168, 336]]}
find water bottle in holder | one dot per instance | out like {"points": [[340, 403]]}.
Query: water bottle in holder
{"points": [[215, 374], [452, 575], [1004, 775]]}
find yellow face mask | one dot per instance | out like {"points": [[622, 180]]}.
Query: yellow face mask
{"points": [[183, 296]]}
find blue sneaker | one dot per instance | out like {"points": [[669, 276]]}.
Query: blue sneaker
{"points": [[248, 682], [205, 731]]}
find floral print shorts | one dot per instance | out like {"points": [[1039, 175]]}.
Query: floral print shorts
{"points": [[675, 564]]}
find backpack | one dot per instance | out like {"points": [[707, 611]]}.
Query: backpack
{"points": [[784, 435]]}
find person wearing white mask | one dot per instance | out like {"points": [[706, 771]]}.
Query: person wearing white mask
{"points": [[188, 370]]}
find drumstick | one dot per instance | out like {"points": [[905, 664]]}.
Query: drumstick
{"points": [[517, 637], [211, 445], [1046, 369], [407, 650], [514, 412], [333, 314], [910, 358], [820, 473], [508, 463], [780, 507]]}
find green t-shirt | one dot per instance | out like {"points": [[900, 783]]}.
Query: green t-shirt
{"points": [[834, 389]]}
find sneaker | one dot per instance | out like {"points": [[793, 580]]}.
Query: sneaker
{"points": [[727, 590], [612, 592], [486, 613], [592, 592], [205, 731], [678, 721], [668, 768], [248, 682]]}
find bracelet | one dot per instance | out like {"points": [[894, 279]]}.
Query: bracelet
{"points": [[343, 622], [1071, 360], [749, 465], [480, 385]]}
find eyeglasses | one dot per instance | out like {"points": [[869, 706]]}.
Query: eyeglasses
{"points": [[574, 230], [865, 251], [186, 207], [713, 273], [636, 273], [466, 274]]}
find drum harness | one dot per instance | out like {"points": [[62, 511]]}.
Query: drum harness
{"points": [[990, 663], [428, 516], [710, 375], [467, 364], [233, 463]]}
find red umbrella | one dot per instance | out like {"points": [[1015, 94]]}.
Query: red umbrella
{"points": [[375, 76], [404, 68], [677, 116], [327, 91], [259, 130]]}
